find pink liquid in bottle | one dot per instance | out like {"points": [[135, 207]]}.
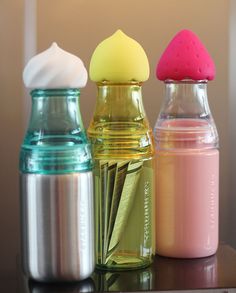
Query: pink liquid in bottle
{"points": [[187, 190]]}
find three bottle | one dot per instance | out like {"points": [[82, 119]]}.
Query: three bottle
{"points": [[59, 224]]}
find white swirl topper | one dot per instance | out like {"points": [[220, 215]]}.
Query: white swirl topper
{"points": [[55, 68]]}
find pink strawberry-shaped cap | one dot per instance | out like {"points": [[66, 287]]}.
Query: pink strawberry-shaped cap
{"points": [[185, 58]]}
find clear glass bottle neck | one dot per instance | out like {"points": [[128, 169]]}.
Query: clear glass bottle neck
{"points": [[185, 99], [185, 120], [119, 102]]}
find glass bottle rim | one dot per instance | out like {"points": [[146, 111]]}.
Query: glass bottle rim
{"points": [[185, 81], [112, 83], [54, 92]]}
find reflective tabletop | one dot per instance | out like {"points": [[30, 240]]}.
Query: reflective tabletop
{"points": [[217, 272]]}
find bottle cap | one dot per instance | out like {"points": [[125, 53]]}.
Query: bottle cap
{"points": [[55, 68], [119, 59], [185, 58]]}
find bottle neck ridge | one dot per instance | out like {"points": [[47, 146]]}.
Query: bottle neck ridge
{"points": [[54, 92]]}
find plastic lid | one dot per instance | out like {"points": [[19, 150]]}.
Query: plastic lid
{"points": [[120, 59], [185, 58]]}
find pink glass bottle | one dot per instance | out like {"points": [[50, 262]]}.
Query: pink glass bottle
{"points": [[187, 160]]}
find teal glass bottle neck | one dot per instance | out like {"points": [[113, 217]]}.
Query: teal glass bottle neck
{"points": [[55, 141], [56, 111]]}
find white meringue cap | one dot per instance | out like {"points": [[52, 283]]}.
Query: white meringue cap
{"points": [[55, 68]]}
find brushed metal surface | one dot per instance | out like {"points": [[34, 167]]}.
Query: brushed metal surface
{"points": [[57, 226]]}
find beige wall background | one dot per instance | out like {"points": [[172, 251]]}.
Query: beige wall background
{"points": [[11, 128], [232, 123], [78, 26]]}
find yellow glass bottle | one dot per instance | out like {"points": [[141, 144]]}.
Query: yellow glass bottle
{"points": [[123, 152], [122, 147]]}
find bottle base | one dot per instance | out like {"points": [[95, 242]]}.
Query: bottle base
{"points": [[186, 255], [124, 263]]}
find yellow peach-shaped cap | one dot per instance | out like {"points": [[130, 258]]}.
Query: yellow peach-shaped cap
{"points": [[119, 59]]}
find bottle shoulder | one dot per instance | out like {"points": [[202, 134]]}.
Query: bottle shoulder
{"points": [[55, 153], [186, 133], [119, 128], [121, 140]]}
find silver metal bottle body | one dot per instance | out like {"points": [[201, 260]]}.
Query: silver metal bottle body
{"points": [[57, 226]]}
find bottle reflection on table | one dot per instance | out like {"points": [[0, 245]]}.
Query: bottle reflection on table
{"points": [[75, 287], [185, 273], [135, 280], [163, 274]]}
